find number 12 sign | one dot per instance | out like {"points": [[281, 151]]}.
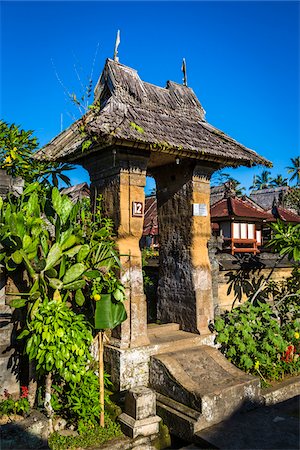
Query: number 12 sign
{"points": [[137, 209]]}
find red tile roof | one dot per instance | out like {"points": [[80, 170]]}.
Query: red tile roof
{"points": [[285, 215], [225, 208], [236, 207]]}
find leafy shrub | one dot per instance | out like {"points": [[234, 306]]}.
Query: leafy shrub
{"points": [[79, 403], [11, 406], [93, 436], [58, 340], [252, 339]]}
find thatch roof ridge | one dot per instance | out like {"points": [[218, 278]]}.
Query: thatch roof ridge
{"points": [[127, 87], [134, 112]]}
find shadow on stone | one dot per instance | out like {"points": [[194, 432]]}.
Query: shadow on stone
{"points": [[268, 427], [30, 433]]}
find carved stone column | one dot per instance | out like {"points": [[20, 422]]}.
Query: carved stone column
{"points": [[120, 177], [184, 290]]}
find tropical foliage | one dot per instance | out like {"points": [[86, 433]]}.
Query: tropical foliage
{"points": [[17, 149], [12, 406], [294, 170], [286, 239], [262, 336], [262, 181], [279, 181], [65, 257], [229, 182], [252, 339]]}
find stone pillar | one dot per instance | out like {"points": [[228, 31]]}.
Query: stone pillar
{"points": [[120, 177], [139, 418], [184, 289]]}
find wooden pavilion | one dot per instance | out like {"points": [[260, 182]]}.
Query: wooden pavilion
{"points": [[240, 224]]}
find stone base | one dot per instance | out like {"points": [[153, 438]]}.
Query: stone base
{"points": [[30, 433], [130, 367], [144, 427]]}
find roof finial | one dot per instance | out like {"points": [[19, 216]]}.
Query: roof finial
{"points": [[118, 40], [183, 68]]}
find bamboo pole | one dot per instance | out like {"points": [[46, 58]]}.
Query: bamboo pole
{"points": [[101, 377]]}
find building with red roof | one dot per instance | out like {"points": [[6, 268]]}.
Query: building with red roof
{"points": [[240, 223]]}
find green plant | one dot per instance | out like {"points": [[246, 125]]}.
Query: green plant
{"points": [[18, 406], [106, 288], [58, 340], [250, 337], [147, 253], [17, 148], [79, 402], [63, 256], [294, 169], [286, 239], [89, 437], [50, 249]]}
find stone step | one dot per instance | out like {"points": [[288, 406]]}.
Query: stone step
{"points": [[197, 388], [154, 328], [176, 340]]}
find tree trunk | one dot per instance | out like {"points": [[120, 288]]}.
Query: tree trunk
{"points": [[47, 402], [32, 384], [101, 377]]}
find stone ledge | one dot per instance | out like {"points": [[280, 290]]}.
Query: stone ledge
{"points": [[282, 391]]}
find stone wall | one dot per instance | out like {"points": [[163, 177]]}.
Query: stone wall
{"points": [[8, 359], [236, 274]]}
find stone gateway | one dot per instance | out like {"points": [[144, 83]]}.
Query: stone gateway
{"points": [[137, 129]]}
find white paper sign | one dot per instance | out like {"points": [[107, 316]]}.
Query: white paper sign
{"points": [[200, 209]]}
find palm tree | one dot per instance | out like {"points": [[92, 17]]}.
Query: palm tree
{"points": [[279, 181], [222, 178], [262, 181], [235, 185], [295, 170]]}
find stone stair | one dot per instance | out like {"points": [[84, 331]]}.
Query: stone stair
{"points": [[168, 337], [197, 387]]}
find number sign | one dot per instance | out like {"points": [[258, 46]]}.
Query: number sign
{"points": [[137, 209]]}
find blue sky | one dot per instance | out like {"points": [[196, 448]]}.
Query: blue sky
{"points": [[242, 62]]}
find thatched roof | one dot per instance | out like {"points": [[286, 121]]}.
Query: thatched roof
{"points": [[265, 197], [164, 120], [77, 192]]}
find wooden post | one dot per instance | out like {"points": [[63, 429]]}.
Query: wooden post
{"points": [[101, 377]]}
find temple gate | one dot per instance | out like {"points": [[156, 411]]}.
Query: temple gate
{"points": [[142, 129]]}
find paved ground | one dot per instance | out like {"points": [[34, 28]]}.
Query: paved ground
{"points": [[268, 428], [273, 427]]}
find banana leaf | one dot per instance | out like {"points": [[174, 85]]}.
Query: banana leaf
{"points": [[108, 313]]}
